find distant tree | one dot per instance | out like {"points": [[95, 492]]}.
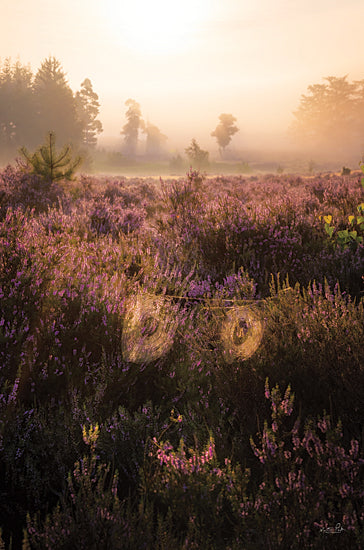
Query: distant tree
{"points": [[130, 130], [88, 108], [331, 115], [224, 131], [197, 156], [56, 104], [17, 108], [155, 140], [49, 164]]}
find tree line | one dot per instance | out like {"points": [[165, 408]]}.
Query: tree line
{"points": [[31, 105], [329, 118], [34, 105], [155, 140]]}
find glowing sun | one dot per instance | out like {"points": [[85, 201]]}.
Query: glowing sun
{"points": [[157, 26]]}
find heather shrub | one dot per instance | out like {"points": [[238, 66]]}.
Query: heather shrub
{"points": [[337, 194], [66, 219], [114, 218], [178, 194], [114, 190], [38, 446], [28, 191], [342, 266], [312, 334], [139, 324], [88, 515], [123, 439], [83, 188], [91, 514], [277, 236], [229, 235], [134, 192], [316, 334], [307, 480], [190, 483], [22, 278]]}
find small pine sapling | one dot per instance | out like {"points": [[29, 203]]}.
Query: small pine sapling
{"points": [[49, 164]]}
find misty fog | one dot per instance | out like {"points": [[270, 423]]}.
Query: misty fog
{"points": [[326, 126], [185, 67]]}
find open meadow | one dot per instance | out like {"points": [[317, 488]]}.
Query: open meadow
{"points": [[182, 362]]}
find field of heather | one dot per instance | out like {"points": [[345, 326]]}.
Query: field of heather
{"points": [[182, 362]]}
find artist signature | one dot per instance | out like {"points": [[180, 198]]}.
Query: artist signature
{"points": [[332, 530]]}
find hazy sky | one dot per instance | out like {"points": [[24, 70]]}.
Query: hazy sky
{"points": [[188, 61]]}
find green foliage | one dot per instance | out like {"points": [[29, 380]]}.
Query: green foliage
{"points": [[50, 164], [353, 235]]}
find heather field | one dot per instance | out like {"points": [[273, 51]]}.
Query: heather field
{"points": [[182, 362]]}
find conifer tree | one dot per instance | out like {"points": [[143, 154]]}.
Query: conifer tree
{"points": [[17, 110], [56, 104], [130, 130], [49, 164], [88, 108]]}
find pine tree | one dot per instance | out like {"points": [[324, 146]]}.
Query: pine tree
{"points": [[56, 104], [130, 130], [88, 108], [17, 109], [49, 164]]}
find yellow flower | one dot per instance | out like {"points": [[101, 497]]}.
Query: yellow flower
{"points": [[91, 437]]}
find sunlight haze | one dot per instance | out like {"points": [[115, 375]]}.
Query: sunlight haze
{"points": [[186, 62]]}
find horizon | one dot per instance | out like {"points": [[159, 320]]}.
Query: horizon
{"points": [[186, 65]]}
